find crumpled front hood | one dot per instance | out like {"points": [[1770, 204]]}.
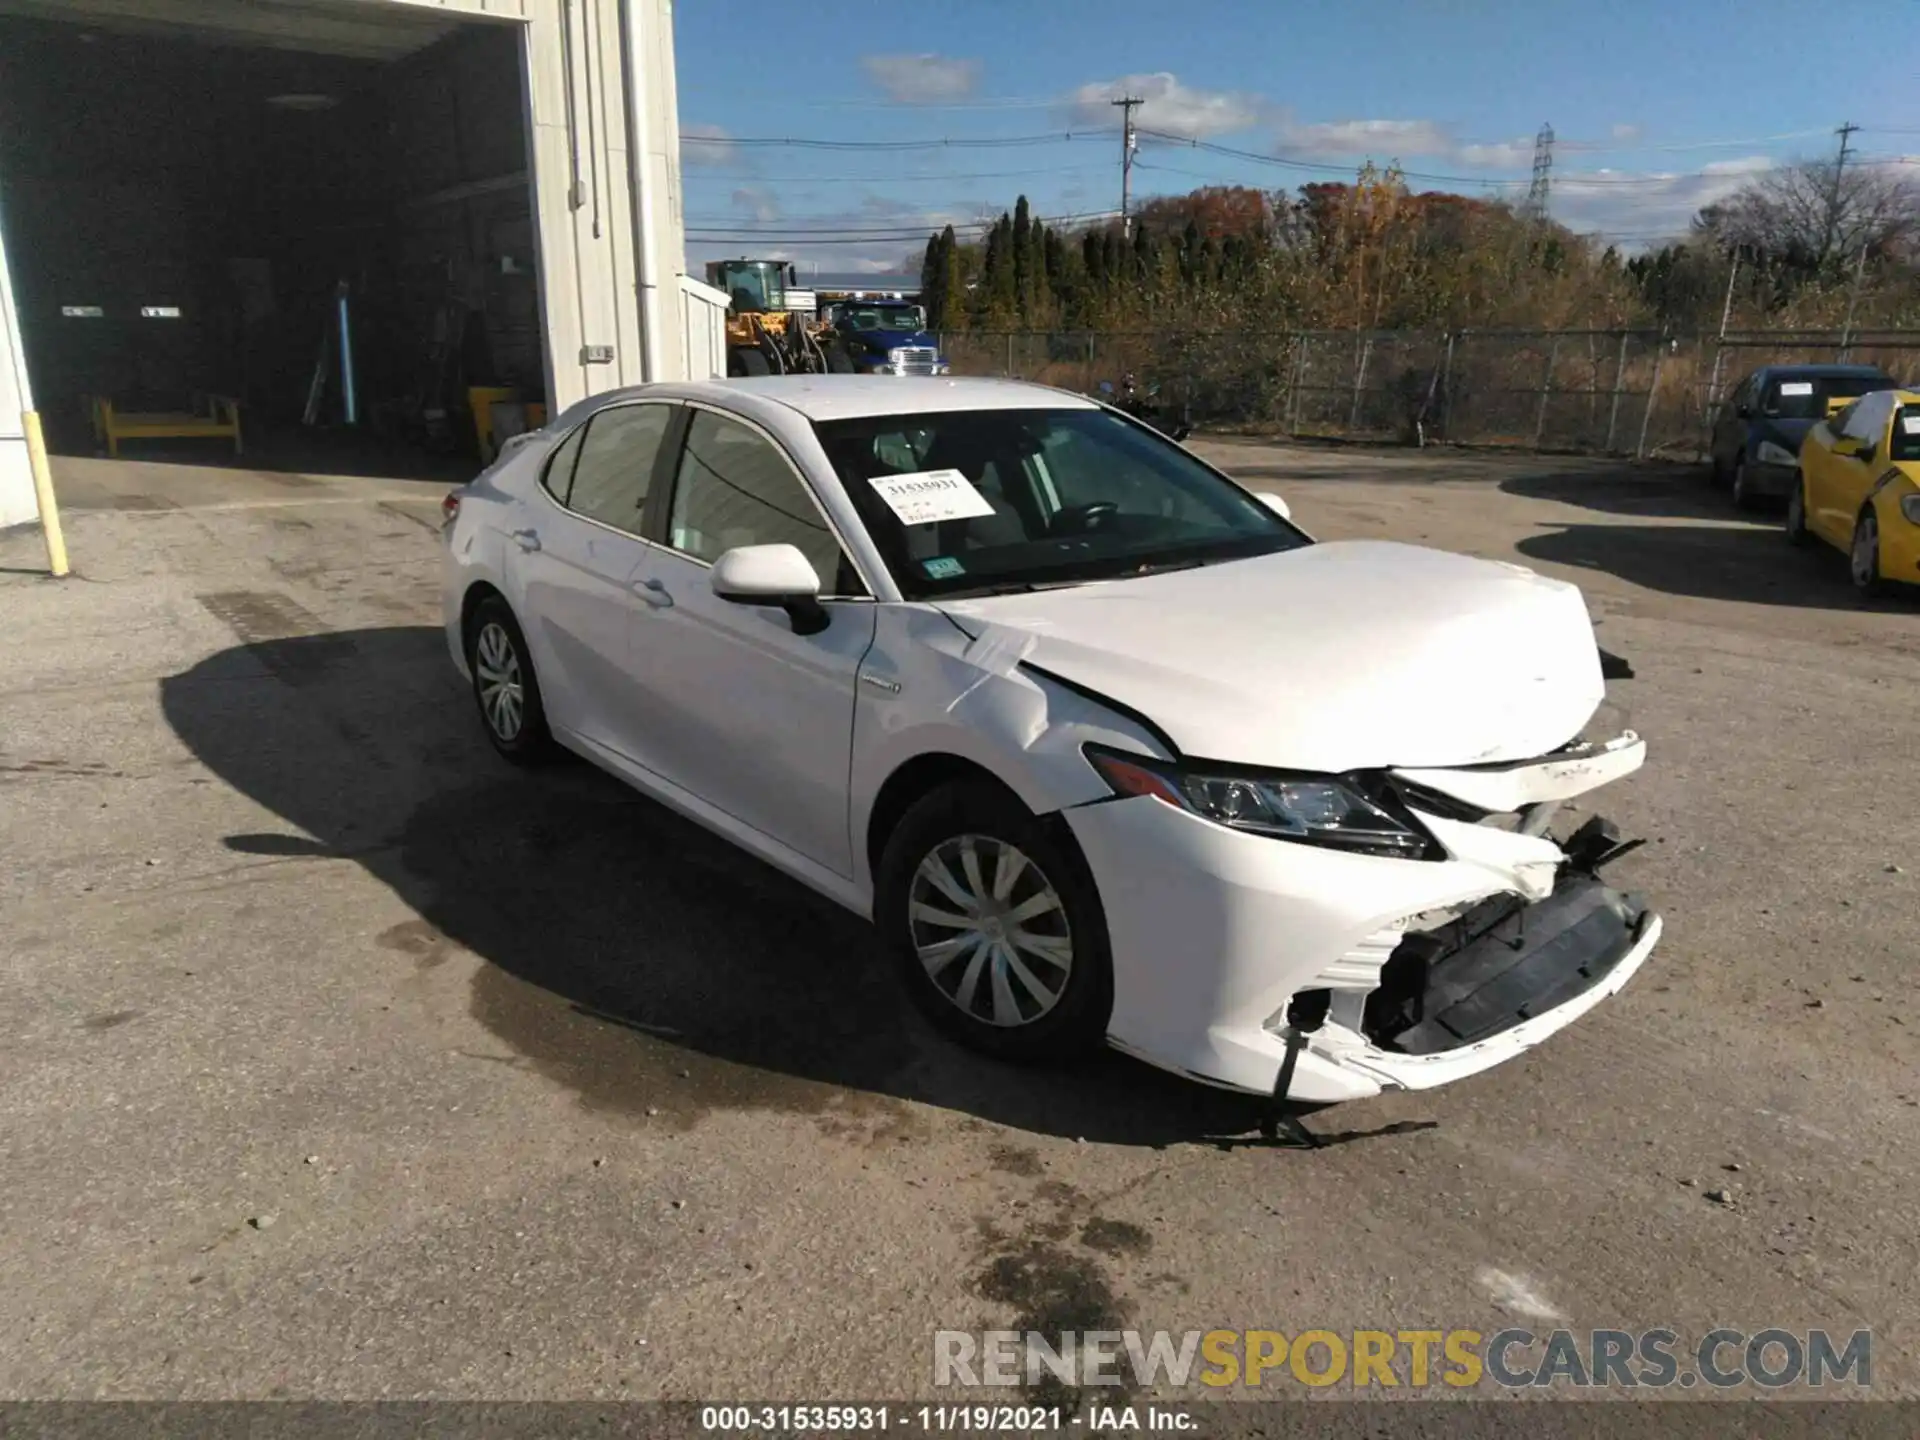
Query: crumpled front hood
{"points": [[1338, 656]]}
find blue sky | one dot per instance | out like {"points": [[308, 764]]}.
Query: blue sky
{"points": [[1657, 108]]}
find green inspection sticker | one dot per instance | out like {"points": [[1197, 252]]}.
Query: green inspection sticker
{"points": [[942, 567]]}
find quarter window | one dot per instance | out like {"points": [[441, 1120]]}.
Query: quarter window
{"points": [[737, 488], [558, 478], [614, 471]]}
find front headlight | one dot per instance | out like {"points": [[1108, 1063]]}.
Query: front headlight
{"points": [[1772, 454], [897, 357], [1910, 507], [1314, 809]]}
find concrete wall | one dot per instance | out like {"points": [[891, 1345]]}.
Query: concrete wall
{"points": [[16, 481], [605, 144]]}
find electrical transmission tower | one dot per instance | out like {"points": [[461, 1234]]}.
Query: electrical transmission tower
{"points": [[1542, 173], [1128, 143]]}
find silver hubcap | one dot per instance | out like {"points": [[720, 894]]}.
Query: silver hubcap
{"points": [[1866, 545], [990, 929], [497, 668]]}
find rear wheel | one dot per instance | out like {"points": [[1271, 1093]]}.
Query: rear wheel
{"points": [[1744, 496], [839, 362], [1863, 556], [748, 362], [1797, 533], [996, 926], [504, 686]]}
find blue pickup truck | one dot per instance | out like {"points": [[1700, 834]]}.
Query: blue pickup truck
{"points": [[887, 337]]}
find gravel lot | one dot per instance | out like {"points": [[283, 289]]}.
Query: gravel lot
{"points": [[339, 1060]]}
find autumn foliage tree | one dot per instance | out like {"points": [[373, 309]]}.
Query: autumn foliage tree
{"points": [[1372, 254]]}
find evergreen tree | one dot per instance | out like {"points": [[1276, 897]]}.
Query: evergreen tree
{"points": [[953, 283], [1003, 295], [933, 275], [1023, 259]]}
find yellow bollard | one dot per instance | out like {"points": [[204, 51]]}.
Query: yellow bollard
{"points": [[43, 494]]}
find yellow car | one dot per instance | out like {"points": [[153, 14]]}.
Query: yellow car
{"points": [[1859, 488]]}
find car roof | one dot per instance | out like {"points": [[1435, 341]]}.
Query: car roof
{"points": [[848, 397]]}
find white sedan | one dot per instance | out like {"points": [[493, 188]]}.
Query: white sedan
{"points": [[1106, 747]]}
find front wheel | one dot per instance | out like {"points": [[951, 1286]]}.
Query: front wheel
{"points": [[996, 926], [1744, 497], [1797, 533], [504, 685], [1863, 556]]}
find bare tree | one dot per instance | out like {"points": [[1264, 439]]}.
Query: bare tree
{"points": [[1809, 215]]}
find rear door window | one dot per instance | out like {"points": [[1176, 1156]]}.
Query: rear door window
{"points": [[614, 473]]}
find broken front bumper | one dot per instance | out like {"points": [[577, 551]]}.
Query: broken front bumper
{"points": [[1401, 973]]}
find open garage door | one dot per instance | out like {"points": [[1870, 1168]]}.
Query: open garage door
{"points": [[315, 223]]}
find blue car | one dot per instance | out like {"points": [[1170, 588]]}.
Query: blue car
{"points": [[1757, 433], [888, 337]]}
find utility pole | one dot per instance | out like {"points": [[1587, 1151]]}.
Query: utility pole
{"points": [[1846, 133], [1127, 104]]}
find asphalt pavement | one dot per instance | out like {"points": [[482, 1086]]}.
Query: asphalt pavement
{"points": [[340, 1060]]}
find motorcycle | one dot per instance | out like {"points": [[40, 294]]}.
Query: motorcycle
{"points": [[1143, 407]]}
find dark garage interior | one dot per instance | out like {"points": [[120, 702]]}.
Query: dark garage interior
{"points": [[184, 215]]}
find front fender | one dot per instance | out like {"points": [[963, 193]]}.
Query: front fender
{"points": [[928, 689]]}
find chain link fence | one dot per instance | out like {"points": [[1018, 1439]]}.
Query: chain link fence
{"points": [[1602, 392]]}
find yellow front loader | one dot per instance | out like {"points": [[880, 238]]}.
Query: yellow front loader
{"points": [[764, 336]]}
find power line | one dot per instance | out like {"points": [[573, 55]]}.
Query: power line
{"points": [[737, 178], [1002, 142]]}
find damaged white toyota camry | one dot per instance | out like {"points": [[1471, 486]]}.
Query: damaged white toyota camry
{"points": [[1106, 747]]}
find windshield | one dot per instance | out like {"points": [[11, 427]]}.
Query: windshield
{"points": [[883, 317], [978, 501], [1804, 397]]}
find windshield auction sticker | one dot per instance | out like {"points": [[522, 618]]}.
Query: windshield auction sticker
{"points": [[926, 497]]}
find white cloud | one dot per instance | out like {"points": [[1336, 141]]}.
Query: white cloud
{"points": [[1402, 140], [1646, 207], [922, 79], [1170, 106], [757, 203], [708, 144], [1499, 155], [904, 228], [1384, 139]]}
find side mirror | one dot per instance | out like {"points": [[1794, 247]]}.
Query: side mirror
{"points": [[1274, 503], [772, 575]]}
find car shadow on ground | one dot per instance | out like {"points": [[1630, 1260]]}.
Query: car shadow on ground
{"points": [[1667, 491], [631, 956], [1725, 562]]}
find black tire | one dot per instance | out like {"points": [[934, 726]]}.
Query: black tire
{"points": [[748, 362], [1796, 523], [1075, 1022], [1868, 583], [1743, 494], [839, 362], [491, 625]]}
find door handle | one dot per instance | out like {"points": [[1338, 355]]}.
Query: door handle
{"points": [[528, 540], [654, 593]]}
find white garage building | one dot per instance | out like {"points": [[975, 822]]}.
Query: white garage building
{"points": [[190, 190]]}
